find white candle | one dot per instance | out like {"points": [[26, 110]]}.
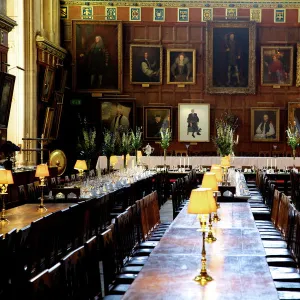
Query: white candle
{"points": [[275, 164], [267, 163], [180, 162], [237, 139], [271, 163], [188, 161], [184, 162]]}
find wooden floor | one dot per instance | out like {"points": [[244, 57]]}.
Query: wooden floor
{"points": [[236, 261]]}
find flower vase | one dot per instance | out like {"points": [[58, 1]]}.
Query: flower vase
{"points": [[88, 163], [136, 157], [108, 164], [165, 157], [124, 160], [294, 157]]}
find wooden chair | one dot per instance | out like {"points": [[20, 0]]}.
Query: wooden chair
{"points": [[110, 267], [264, 153], [48, 285], [32, 196], [181, 153], [75, 274], [22, 194], [92, 268]]}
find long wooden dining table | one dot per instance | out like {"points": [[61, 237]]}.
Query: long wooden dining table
{"points": [[236, 261], [23, 215]]}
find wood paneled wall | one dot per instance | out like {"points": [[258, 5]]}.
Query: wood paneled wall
{"points": [[193, 35]]}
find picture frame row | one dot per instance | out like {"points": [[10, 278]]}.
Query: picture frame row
{"points": [[230, 59], [193, 120]]}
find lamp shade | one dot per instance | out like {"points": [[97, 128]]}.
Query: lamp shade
{"points": [[80, 165], [218, 171], [42, 171], [225, 161], [210, 181], [214, 165], [113, 160], [212, 200], [201, 202], [6, 177], [10, 179]]}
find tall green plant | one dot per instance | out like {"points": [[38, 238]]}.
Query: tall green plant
{"points": [[166, 137], [225, 128]]}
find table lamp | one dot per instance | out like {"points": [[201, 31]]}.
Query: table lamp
{"points": [[218, 171], [41, 172], [201, 204], [81, 166], [113, 160], [210, 181], [5, 179]]}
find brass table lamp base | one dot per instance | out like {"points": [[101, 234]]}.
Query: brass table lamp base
{"points": [[210, 237], [216, 217], [3, 219], [42, 207], [203, 277]]}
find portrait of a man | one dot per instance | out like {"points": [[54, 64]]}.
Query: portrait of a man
{"points": [[294, 116], [181, 64], [117, 116], [145, 64], [156, 119], [97, 47], [230, 52], [276, 65], [193, 122], [265, 124]]}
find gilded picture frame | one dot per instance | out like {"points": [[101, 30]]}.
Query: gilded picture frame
{"points": [[56, 121], [181, 66], [298, 65], [7, 83], [48, 121], [276, 65], [156, 118], [294, 115], [230, 57], [97, 56], [146, 64], [193, 122], [265, 124], [48, 83]]}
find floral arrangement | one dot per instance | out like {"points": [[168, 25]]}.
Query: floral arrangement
{"points": [[225, 127], [166, 137], [136, 138], [293, 139], [87, 142], [126, 145], [109, 143]]}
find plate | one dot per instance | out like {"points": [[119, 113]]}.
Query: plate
{"points": [[58, 159]]}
